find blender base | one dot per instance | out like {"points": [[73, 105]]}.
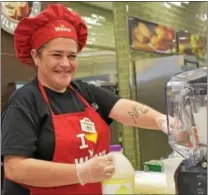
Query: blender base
{"points": [[192, 180]]}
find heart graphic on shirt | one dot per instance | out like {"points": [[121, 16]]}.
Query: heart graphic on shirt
{"points": [[91, 137]]}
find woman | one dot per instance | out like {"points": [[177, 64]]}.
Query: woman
{"points": [[53, 140]]}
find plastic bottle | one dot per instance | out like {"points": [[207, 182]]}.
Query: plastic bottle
{"points": [[122, 181]]}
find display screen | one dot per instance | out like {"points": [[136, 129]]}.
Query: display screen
{"points": [[191, 44]]}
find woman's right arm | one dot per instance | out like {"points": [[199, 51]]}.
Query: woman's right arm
{"points": [[19, 137], [41, 173]]}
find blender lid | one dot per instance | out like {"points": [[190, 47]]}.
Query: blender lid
{"points": [[198, 75]]}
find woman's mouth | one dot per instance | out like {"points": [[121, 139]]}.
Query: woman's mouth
{"points": [[63, 72]]}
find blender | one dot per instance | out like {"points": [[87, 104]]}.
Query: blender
{"points": [[186, 102]]}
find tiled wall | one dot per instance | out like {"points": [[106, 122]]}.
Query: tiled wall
{"points": [[99, 21], [123, 65]]}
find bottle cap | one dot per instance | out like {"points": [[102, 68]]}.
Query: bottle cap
{"points": [[115, 148]]}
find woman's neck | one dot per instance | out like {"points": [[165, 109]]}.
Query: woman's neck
{"points": [[53, 88]]}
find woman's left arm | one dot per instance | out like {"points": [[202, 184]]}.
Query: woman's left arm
{"points": [[127, 112], [132, 113]]}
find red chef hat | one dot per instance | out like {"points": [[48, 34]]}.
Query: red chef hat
{"points": [[53, 22]]}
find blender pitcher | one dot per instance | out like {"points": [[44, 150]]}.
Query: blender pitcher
{"points": [[186, 98]]}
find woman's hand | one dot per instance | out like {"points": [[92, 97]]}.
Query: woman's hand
{"points": [[173, 128], [96, 169]]}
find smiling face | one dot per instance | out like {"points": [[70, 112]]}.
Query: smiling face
{"points": [[56, 63]]}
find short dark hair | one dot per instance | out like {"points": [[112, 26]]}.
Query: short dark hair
{"points": [[40, 50]]}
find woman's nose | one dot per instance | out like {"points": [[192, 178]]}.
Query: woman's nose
{"points": [[65, 62]]}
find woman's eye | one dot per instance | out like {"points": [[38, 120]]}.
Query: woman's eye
{"points": [[72, 57], [56, 55]]}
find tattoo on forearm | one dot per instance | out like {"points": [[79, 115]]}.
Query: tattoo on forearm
{"points": [[137, 110]]}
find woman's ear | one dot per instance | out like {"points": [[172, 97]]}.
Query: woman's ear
{"points": [[35, 56]]}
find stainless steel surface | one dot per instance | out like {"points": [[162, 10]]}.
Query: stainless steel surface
{"points": [[152, 76]]}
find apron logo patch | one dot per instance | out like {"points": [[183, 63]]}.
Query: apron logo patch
{"points": [[87, 125]]}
